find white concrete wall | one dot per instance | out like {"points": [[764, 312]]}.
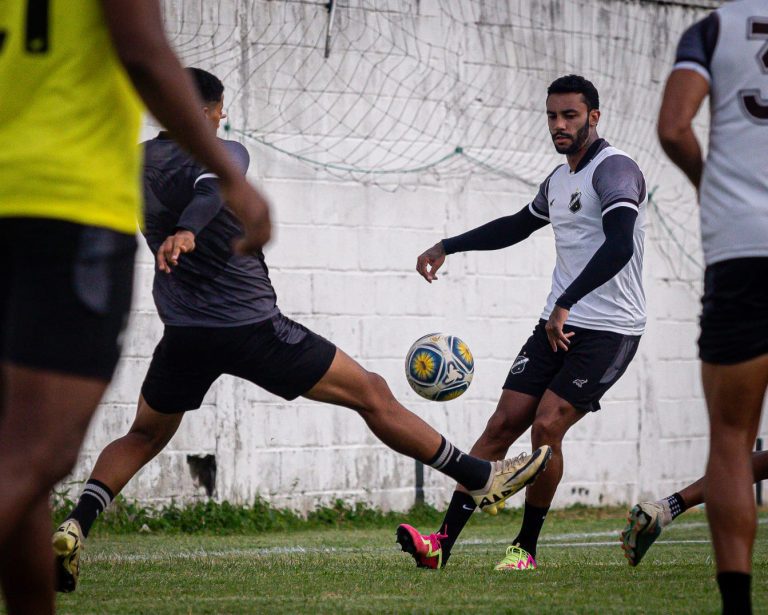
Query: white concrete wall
{"points": [[344, 253]]}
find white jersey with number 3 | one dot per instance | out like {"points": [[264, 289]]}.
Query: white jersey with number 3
{"points": [[729, 48]]}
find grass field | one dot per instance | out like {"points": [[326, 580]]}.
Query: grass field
{"points": [[582, 570]]}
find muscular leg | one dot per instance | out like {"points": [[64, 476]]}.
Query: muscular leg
{"points": [[734, 396], [42, 424], [116, 465], [513, 415], [123, 458], [554, 417], [347, 384]]}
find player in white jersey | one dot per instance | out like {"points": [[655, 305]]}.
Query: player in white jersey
{"points": [[591, 325], [725, 56]]}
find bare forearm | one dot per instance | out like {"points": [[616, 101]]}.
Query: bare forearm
{"points": [[684, 150]]}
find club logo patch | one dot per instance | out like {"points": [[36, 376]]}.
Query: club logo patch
{"points": [[519, 365], [575, 204]]}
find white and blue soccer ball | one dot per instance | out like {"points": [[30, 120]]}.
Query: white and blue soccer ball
{"points": [[439, 367]]}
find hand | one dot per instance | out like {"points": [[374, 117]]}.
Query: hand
{"points": [[554, 329], [168, 254], [434, 258], [253, 212]]}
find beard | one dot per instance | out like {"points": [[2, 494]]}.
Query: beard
{"points": [[577, 141]]}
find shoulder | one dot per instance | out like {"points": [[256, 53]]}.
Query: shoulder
{"points": [[618, 178], [616, 163], [238, 152], [697, 44]]}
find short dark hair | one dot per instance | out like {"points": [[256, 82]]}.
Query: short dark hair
{"points": [[210, 88], [576, 83]]}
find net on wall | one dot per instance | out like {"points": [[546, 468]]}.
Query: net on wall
{"points": [[407, 92]]}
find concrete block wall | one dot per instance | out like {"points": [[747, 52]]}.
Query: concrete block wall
{"points": [[343, 260]]}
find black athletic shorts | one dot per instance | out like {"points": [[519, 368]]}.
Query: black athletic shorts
{"points": [[278, 354], [65, 294], [734, 315], [594, 362]]}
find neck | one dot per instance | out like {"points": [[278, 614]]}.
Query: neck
{"points": [[575, 159]]}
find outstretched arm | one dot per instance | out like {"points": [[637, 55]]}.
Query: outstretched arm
{"points": [[494, 235], [137, 33]]}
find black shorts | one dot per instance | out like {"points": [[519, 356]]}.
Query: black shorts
{"points": [[65, 294], [278, 354], [594, 362], [734, 315]]}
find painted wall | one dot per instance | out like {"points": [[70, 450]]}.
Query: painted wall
{"points": [[469, 73]]}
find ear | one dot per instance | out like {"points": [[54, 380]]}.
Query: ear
{"points": [[594, 117]]}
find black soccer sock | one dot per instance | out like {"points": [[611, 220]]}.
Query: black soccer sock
{"points": [[95, 498], [533, 520], [735, 592], [459, 511], [466, 470], [677, 505]]}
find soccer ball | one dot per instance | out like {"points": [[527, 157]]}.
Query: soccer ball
{"points": [[439, 367]]}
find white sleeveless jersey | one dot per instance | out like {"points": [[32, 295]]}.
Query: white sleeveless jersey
{"points": [[574, 203], [730, 49]]}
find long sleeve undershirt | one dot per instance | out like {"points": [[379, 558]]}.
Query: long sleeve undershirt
{"points": [[202, 208], [610, 258]]}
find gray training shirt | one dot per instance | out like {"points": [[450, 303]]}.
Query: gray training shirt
{"points": [[211, 286]]}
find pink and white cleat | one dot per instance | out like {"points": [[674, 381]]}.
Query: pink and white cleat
{"points": [[426, 550]]}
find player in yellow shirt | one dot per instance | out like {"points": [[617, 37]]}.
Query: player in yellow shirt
{"points": [[69, 199]]}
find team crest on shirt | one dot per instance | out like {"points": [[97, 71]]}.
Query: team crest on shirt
{"points": [[575, 203], [519, 365]]}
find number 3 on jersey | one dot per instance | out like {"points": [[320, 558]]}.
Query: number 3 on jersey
{"points": [[36, 39], [754, 105]]}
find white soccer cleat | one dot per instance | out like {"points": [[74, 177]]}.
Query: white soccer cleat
{"points": [[508, 477]]}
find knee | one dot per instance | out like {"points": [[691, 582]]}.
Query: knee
{"points": [[151, 442], [377, 396], [502, 428], [546, 430]]}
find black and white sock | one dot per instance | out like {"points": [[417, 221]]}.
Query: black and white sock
{"points": [[466, 470], [93, 500], [673, 506]]}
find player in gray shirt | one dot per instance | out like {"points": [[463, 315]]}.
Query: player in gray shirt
{"points": [[214, 287], [591, 324], [221, 317]]}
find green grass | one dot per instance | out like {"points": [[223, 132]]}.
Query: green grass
{"points": [[342, 568]]}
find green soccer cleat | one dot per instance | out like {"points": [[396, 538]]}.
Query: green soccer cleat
{"points": [[516, 558], [643, 528], [508, 477], [67, 543]]}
